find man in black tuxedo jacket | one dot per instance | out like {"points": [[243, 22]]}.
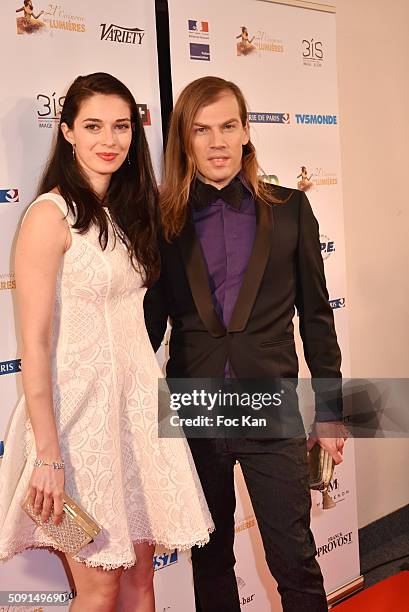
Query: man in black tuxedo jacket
{"points": [[237, 257]]}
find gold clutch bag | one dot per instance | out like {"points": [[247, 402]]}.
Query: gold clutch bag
{"points": [[76, 530], [321, 471]]}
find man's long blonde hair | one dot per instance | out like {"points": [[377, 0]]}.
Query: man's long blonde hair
{"points": [[180, 164]]}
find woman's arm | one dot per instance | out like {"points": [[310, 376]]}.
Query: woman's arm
{"points": [[43, 239]]}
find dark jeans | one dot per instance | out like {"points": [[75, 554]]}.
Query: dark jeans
{"points": [[276, 476]]}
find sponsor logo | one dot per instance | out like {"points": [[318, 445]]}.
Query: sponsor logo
{"points": [[240, 582], [9, 196], [316, 119], [318, 178], [337, 303], [327, 246], [198, 30], [165, 560], [145, 114], [269, 118], [272, 179], [7, 281], [336, 541], [322, 178], [312, 52], [305, 183], [49, 109], [199, 51], [1, 448], [119, 34], [248, 43], [336, 490], [10, 367], [244, 524], [55, 17], [246, 600]]}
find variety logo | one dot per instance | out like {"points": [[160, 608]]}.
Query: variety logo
{"points": [[145, 114], [7, 281], [56, 17], [269, 118], [119, 34], [9, 196], [199, 51], [336, 541], [312, 52], [338, 303], [260, 41], [10, 367], [327, 246], [49, 109], [316, 119], [165, 560]]}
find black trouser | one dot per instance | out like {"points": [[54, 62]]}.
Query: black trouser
{"points": [[276, 475]]}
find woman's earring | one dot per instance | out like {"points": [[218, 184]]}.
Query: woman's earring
{"points": [[73, 152], [129, 161]]}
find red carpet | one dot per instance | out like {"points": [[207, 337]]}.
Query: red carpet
{"points": [[390, 595]]}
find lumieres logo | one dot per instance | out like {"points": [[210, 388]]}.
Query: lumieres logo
{"points": [[261, 41], [55, 17], [7, 281]]}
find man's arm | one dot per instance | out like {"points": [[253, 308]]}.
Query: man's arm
{"points": [[317, 330], [156, 313]]}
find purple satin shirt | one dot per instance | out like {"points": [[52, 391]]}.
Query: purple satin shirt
{"points": [[226, 236]]}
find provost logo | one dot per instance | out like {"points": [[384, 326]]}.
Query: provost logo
{"points": [[9, 196], [312, 52], [327, 246], [338, 540], [269, 118], [119, 34], [165, 560], [49, 108], [10, 367], [316, 119]]}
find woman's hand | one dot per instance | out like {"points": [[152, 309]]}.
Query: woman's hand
{"points": [[46, 489]]}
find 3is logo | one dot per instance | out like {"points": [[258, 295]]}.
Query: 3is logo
{"points": [[312, 51]]}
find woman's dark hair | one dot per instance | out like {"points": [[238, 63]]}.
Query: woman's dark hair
{"points": [[132, 195]]}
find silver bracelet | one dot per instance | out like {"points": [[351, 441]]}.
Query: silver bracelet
{"points": [[56, 465]]}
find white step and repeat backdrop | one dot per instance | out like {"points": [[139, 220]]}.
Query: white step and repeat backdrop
{"points": [[40, 56], [288, 74], [284, 59]]}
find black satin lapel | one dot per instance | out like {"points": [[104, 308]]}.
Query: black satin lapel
{"points": [[255, 270], [198, 280]]}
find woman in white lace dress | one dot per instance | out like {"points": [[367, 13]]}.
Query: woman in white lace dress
{"points": [[88, 418]]}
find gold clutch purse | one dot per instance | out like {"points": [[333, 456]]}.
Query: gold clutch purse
{"points": [[321, 471], [76, 530]]}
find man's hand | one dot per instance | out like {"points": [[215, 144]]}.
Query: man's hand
{"points": [[331, 436]]}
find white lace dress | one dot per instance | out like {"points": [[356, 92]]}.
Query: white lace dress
{"points": [[137, 486]]}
